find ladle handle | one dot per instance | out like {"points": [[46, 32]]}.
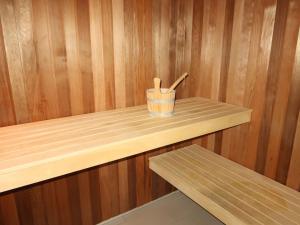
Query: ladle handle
{"points": [[157, 85], [177, 82]]}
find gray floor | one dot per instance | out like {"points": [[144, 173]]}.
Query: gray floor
{"points": [[173, 209]]}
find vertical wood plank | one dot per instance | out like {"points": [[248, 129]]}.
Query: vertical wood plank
{"points": [[6, 100], [273, 71], [164, 43], [38, 206], [226, 50], [85, 198], [129, 56], [8, 210], [184, 14], [97, 55], [62, 201], [56, 25], [195, 70], [108, 53], [119, 52], [23, 12], [211, 52], [293, 178], [74, 199], [14, 60], [85, 60], [283, 90], [132, 182], [47, 91], [195, 78], [50, 202], [23, 203], [156, 27], [95, 195], [257, 75], [290, 126], [211, 56], [237, 72], [108, 180], [73, 58], [139, 84]]}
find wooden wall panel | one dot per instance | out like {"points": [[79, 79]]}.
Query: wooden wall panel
{"points": [[68, 57], [281, 109], [293, 180], [6, 101]]}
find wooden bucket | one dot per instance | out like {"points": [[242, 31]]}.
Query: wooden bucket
{"points": [[160, 104]]}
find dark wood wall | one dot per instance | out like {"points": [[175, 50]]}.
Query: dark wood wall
{"points": [[67, 57]]}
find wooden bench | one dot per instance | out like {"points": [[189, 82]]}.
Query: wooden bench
{"points": [[229, 191], [38, 151]]}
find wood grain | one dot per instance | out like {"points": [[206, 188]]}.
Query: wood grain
{"points": [[14, 63], [282, 93], [6, 99], [69, 144], [231, 192], [293, 179], [242, 52], [272, 82]]}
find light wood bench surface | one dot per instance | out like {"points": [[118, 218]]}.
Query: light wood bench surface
{"points": [[231, 192], [38, 151]]}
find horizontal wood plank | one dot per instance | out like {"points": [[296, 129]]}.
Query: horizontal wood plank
{"points": [[38, 151], [231, 192]]}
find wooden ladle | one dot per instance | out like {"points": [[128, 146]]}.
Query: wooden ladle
{"points": [[174, 85]]}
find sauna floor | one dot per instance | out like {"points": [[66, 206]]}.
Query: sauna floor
{"points": [[172, 209]]}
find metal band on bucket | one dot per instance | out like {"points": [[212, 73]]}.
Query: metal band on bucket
{"points": [[159, 101], [161, 114]]}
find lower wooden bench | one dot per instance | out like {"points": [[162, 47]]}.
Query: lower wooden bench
{"points": [[229, 191]]}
